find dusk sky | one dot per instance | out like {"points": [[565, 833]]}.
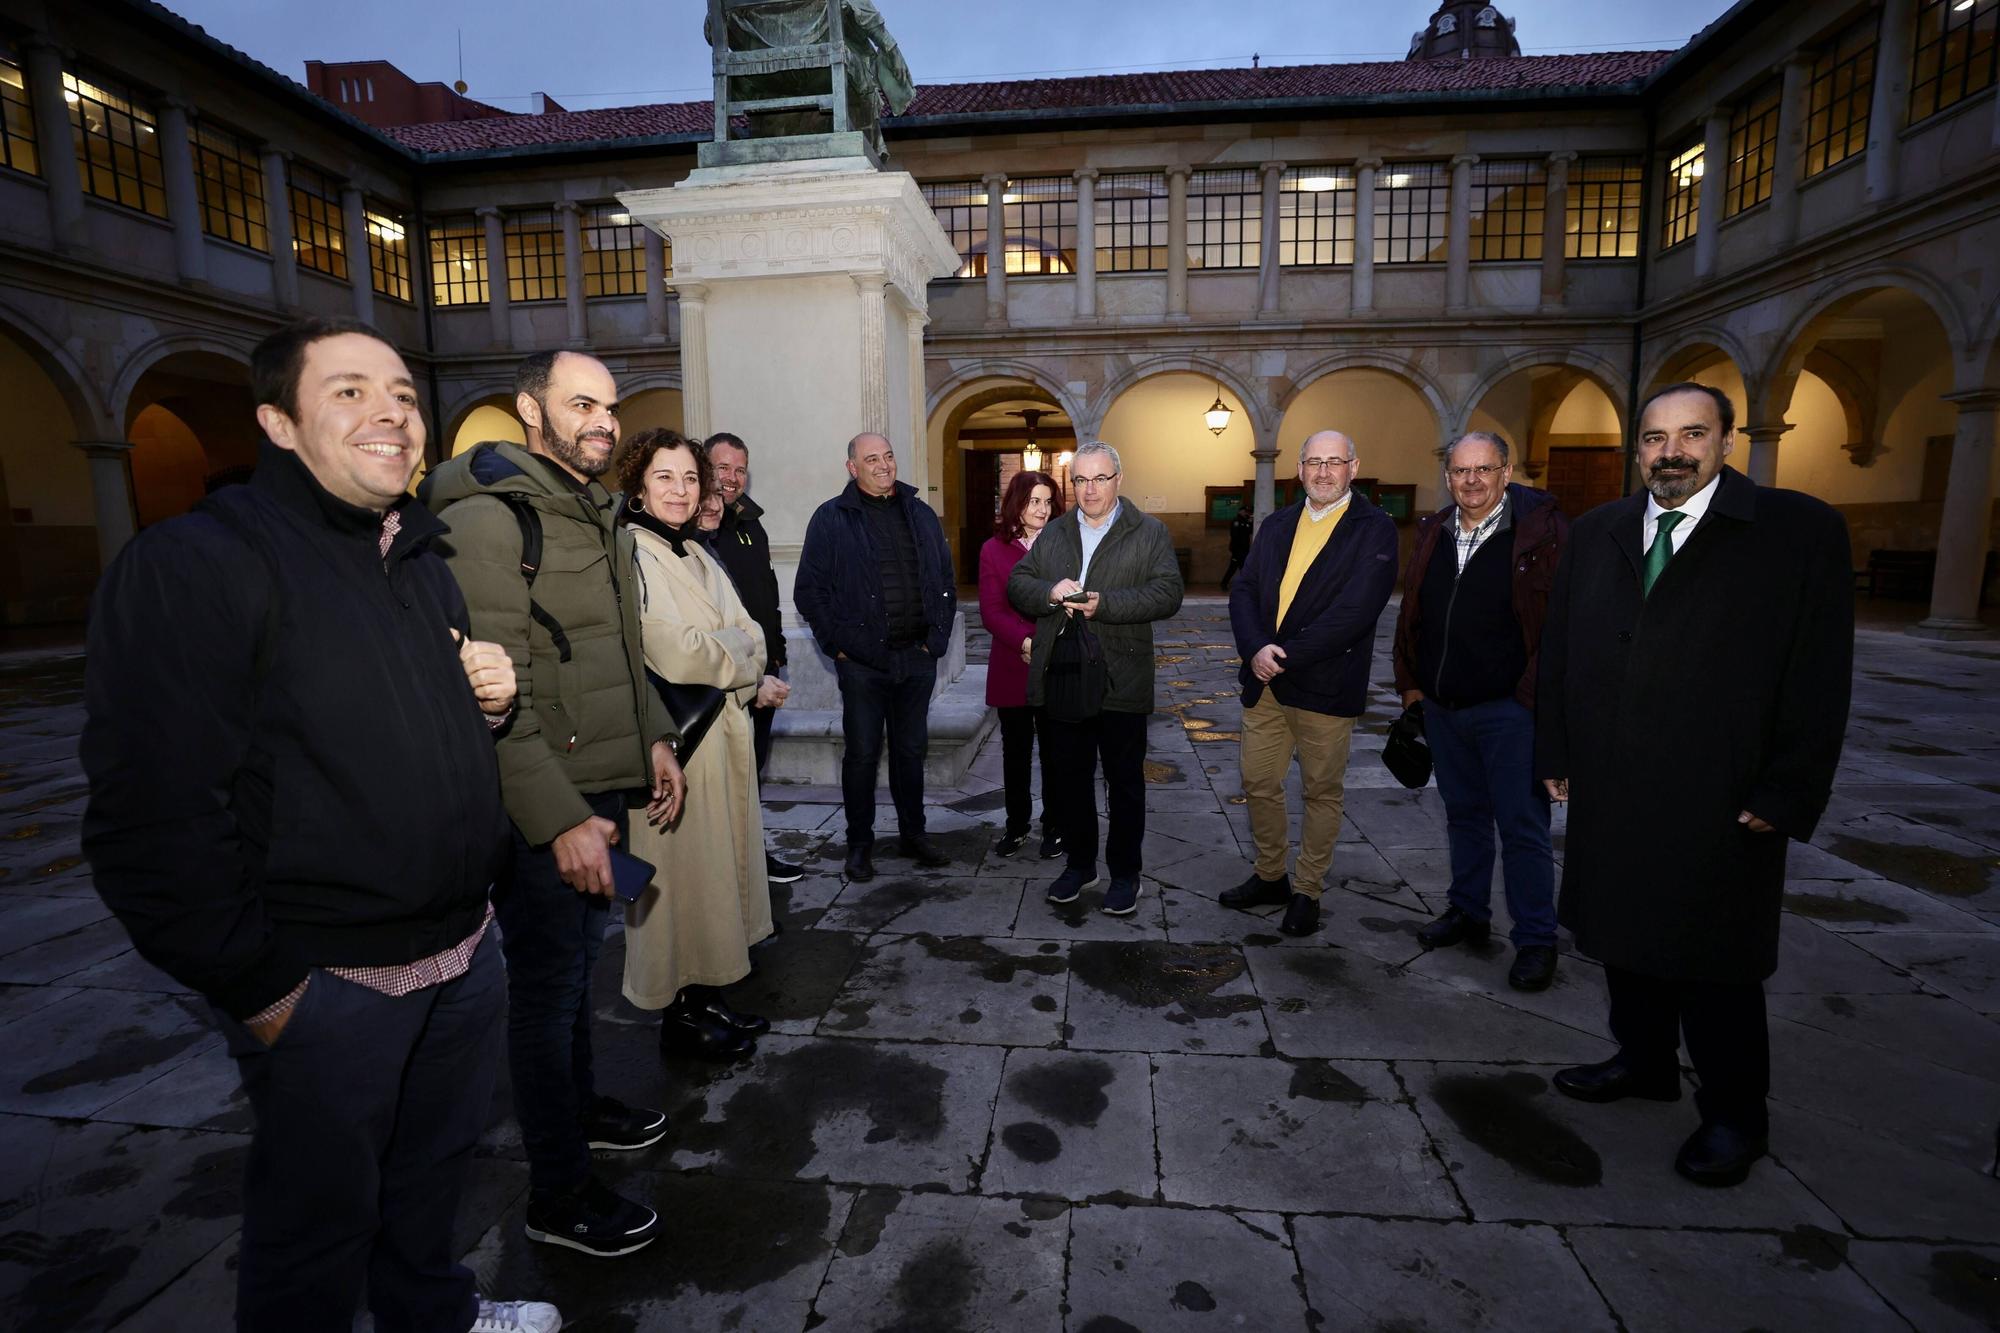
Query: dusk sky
{"points": [[590, 53]]}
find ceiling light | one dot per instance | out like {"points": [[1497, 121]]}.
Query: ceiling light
{"points": [[1065, 458], [1398, 180], [1031, 459], [1317, 184]]}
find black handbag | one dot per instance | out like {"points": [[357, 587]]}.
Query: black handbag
{"points": [[693, 708], [1406, 753], [1073, 684]]}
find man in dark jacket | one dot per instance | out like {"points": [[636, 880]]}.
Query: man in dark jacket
{"points": [[1304, 611], [744, 549], [1466, 641], [295, 811], [592, 740], [1241, 529], [1107, 568], [875, 585], [1695, 673]]}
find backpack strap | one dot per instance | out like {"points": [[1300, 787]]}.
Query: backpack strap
{"points": [[531, 564]]}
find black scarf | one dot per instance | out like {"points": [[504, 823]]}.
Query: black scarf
{"points": [[676, 537]]}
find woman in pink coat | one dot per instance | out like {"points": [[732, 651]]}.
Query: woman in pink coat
{"points": [[1032, 499]]}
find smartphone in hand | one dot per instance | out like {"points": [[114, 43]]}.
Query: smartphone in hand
{"points": [[629, 875]]}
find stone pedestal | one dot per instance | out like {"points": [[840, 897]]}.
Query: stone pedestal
{"points": [[803, 299]]}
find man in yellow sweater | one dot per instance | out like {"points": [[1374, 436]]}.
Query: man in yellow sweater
{"points": [[1304, 611]]}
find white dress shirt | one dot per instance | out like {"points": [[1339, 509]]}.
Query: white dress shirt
{"points": [[1692, 508]]}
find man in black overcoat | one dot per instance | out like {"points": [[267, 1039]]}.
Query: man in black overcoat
{"points": [[1695, 672]]}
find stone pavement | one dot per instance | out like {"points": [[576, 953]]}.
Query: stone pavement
{"points": [[982, 1113]]}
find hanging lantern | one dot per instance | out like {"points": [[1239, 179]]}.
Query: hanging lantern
{"points": [[1218, 414], [1031, 459]]}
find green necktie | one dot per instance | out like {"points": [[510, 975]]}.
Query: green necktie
{"points": [[1662, 549]]}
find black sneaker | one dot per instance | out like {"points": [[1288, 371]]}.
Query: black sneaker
{"points": [[782, 872], [610, 1123], [594, 1220], [1122, 898], [1052, 845], [1011, 843], [1069, 886]]}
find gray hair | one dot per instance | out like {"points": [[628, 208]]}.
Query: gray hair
{"points": [[1097, 447], [1478, 437], [853, 443]]}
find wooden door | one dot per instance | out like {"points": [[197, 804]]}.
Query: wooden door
{"points": [[1582, 479], [982, 509]]}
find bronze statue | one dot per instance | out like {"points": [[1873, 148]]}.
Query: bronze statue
{"points": [[815, 72]]}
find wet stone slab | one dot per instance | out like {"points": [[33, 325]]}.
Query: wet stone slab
{"points": [[1380, 1274], [1965, 967], [1294, 1136], [1180, 1269], [1147, 996], [914, 1263], [1939, 1288], [907, 905], [1660, 1281], [1073, 1124], [95, 1047], [1930, 1027], [986, 991], [1883, 1188]]}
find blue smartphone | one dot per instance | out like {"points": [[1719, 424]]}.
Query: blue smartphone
{"points": [[629, 875]]}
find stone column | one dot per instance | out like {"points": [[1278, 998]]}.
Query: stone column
{"points": [[1762, 464], [656, 287], [498, 312], [1363, 298], [1555, 229], [111, 495], [1458, 244], [54, 147], [874, 369], [1264, 454], [918, 447], [1086, 243], [996, 246], [360, 257], [1968, 509], [1890, 99], [1714, 187], [1267, 268], [1789, 162], [1177, 241], [183, 198], [572, 227], [278, 226], [694, 359]]}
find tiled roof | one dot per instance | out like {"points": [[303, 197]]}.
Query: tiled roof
{"points": [[1602, 72]]}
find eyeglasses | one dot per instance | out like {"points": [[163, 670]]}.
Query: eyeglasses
{"points": [[1325, 464], [1105, 480], [1468, 473]]}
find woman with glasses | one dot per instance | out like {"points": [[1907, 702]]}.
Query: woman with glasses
{"points": [[1031, 500]]}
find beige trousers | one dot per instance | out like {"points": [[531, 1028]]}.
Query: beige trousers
{"points": [[1272, 734]]}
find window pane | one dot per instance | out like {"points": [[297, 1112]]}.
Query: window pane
{"points": [[614, 252], [1840, 98], [1602, 219], [1040, 216], [458, 261], [1753, 149], [961, 210], [534, 256], [1316, 216], [388, 253], [1680, 208], [1225, 219], [229, 181], [1509, 202], [17, 117], [1131, 222], [1412, 212], [1956, 53], [318, 237], [117, 145]]}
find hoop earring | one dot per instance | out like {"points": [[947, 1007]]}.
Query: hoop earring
{"points": [[638, 504]]}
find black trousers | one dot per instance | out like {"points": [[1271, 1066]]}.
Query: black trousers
{"points": [[1020, 729], [1727, 1040], [895, 698], [1073, 750], [760, 738], [368, 1107]]}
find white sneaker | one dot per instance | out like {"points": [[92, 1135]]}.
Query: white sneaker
{"points": [[516, 1317]]}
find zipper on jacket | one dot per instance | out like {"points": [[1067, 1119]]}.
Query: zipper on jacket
{"points": [[1444, 654]]}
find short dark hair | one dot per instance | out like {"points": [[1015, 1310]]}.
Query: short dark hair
{"points": [[637, 456], [276, 362], [1725, 410], [1019, 491], [532, 375], [724, 437]]}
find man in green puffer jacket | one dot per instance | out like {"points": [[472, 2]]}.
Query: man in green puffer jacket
{"points": [[547, 576]]}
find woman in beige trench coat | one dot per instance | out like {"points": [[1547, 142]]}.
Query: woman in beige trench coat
{"points": [[691, 930]]}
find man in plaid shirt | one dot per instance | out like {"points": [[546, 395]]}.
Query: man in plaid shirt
{"points": [[295, 810]]}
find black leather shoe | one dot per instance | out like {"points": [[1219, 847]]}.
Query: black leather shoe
{"points": [[860, 865], [782, 872], [1301, 916], [688, 1033], [1534, 967], [924, 852], [1719, 1155], [1010, 843], [1455, 927], [709, 1001], [1255, 892], [1614, 1080]]}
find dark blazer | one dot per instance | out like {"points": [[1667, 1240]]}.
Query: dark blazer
{"points": [[744, 549], [838, 589], [1724, 691], [1328, 632]]}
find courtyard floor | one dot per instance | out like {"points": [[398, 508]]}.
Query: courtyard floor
{"points": [[979, 1112]]}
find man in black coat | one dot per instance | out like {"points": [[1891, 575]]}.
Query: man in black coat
{"points": [[744, 549], [875, 584], [295, 810], [1304, 612], [1695, 672]]}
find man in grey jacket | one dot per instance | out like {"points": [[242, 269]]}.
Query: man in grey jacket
{"points": [[1106, 569]]}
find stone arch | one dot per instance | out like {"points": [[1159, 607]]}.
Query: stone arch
{"points": [[490, 392], [1411, 374], [1263, 415], [958, 470], [87, 415], [1398, 428], [1777, 378], [54, 532], [1024, 371], [1983, 366], [1586, 364], [153, 353]]}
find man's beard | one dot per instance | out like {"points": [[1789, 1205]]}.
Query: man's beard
{"points": [[1676, 485], [572, 452]]}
